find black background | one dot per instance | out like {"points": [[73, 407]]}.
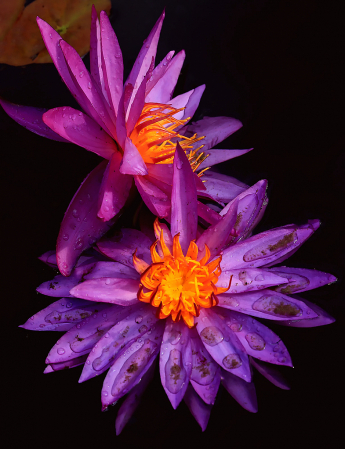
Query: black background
{"points": [[276, 66]]}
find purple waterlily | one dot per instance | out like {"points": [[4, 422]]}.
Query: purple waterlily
{"points": [[132, 125], [189, 299]]}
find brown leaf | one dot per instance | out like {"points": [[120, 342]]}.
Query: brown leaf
{"points": [[23, 43]]}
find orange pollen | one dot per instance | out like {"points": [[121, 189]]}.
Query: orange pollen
{"points": [[178, 284], [155, 137]]}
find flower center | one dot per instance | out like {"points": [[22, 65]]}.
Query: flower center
{"points": [[178, 284], [155, 136]]}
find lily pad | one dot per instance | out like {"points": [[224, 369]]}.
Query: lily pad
{"points": [[22, 44]]}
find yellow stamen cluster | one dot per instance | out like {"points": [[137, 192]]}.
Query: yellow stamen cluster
{"points": [[179, 284], [155, 137]]}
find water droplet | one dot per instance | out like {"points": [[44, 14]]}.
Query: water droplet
{"points": [[81, 74], [60, 351], [88, 362], [236, 327], [211, 336], [78, 326], [104, 315], [105, 393], [255, 341], [89, 85], [69, 305], [78, 243], [232, 361], [259, 277], [75, 213], [282, 359], [65, 237], [139, 319], [142, 329]]}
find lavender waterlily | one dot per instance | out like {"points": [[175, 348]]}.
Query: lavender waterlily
{"points": [[189, 299]]}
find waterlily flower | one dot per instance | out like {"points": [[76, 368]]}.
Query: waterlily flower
{"points": [[188, 299], [134, 126]]}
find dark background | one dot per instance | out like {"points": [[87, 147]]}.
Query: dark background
{"points": [[276, 66]]}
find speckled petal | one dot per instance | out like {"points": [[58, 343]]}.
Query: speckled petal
{"points": [[266, 304], [62, 315], [111, 270], [155, 199], [80, 129], [301, 279], [197, 407], [81, 227], [164, 88], [184, 215], [132, 162], [65, 365], [133, 323], [175, 362], [223, 345], [221, 188], [111, 290], [122, 246], [258, 340], [31, 119], [131, 365], [81, 338], [243, 392], [271, 373], [114, 189], [132, 400], [218, 156]]}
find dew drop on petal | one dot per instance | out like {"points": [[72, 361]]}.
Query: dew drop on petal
{"points": [[138, 319], [175, 373], [236, 327], [255, 341], [211, 336], [142, 329], [60, 351], [65, 237], [232, 361], [259, 277]]}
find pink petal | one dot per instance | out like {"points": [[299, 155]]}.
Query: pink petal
{"points": [[197, 407], [132, 324], [122, 246], [132, 162], [175, 361], [133, 114], [96, 52], [62, 315], [266, 304], [184, 215], [258, 340], [111, 270], [271, 373], [31, 119], [80, 129], [243, 392], [112, 63], [158, 72], [217, 156], [162, 172], [81, 227], [193, 103], [134, 362], [208, 214], [222, 344], [154, 198], [164, 88], [121, 130], [221, 188], [114, 189]]}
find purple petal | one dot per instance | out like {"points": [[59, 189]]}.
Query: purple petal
{"points": [[243, 392], [111, 270], [96, 52], [266, 304], [193, 103], [207, 214], [68, 364], [217, 236], [218, 156], [134, 112], [258, 340], [221, 188], [134, 362], [180, 102], [131, 402], [301, 279], [111, 290], [154, 198], [114, 190], [62, 315], [80, 129], [81, 338], [81, 227], [162, 172], [247, 280], [197, 407], [223, 345], [133, 323], [164, 88], [49, 258], [112, 63], [158, 72], [31, 119], [175, 362], [122, 246], [184, 215], [215, 130], [271, 374], [132, 162]]}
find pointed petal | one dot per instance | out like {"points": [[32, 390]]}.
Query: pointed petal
{"points": [[95, 51], [267, 304], [243, 392], [81, 227], [80, 129], [112, 63], [197, 407], [111, 270], [122, 246], [154, 198], [175, 361], [193, 103], [222, 344], [65, 365], [31, 119], [49, 258], [132, 162], [217, 156], [132, 324], [158, 72], [271, 374], [135, 360], [164, 88], [62, 315], [184, 215], [207, 214], [133, 114], [114, 190], [221, 188]]}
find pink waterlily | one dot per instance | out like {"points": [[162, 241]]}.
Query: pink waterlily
{"points": [[186, 298], [134, 125]]}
